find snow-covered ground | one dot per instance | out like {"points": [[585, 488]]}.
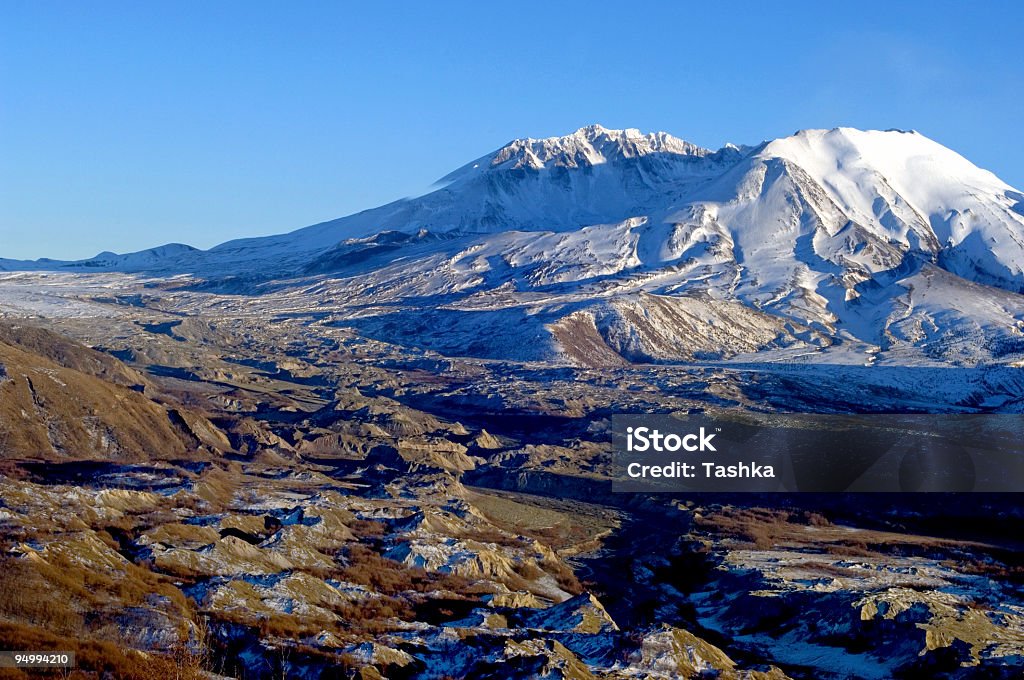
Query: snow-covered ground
{"points": [[837, 246]]}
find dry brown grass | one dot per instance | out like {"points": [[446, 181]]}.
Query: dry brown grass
{"points": [[74, 415], [57, 592], [70, 354], [388, 577], [761, 527], [57, 604], [218, 485], [27, 596], [490, 535], [367, 528], [100, 658], [561, 572], [564, 576]]}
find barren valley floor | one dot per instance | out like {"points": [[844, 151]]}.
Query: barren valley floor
{"points": [[250, 494]]}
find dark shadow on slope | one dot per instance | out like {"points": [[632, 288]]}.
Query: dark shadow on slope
{"points": [[510, 334]]}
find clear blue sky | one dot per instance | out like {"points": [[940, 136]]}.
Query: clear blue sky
{"points": [[128, 125]]}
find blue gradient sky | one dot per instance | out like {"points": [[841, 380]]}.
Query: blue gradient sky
{"points": [[128, 125]]}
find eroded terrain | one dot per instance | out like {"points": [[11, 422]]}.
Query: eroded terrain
{"points": [[226, 485]]}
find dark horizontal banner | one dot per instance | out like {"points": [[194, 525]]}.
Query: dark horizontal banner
{"points": [[818, 453]]}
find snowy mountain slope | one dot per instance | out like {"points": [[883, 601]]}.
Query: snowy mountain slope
{"points": [[868, 244], [591, 176], [875, 196], [917, 194]]}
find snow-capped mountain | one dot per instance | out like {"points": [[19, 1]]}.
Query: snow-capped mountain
{"points": [[605, 244]]}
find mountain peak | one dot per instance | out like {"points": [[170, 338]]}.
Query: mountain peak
{"points": [[932, 178], [589, 146]]}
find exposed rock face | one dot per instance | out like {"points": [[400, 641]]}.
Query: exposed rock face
{"points": [[580, 614], [486, 441], [677, 653], [544, 659]]}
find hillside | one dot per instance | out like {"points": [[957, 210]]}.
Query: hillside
{"points": [[60, 401]]}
